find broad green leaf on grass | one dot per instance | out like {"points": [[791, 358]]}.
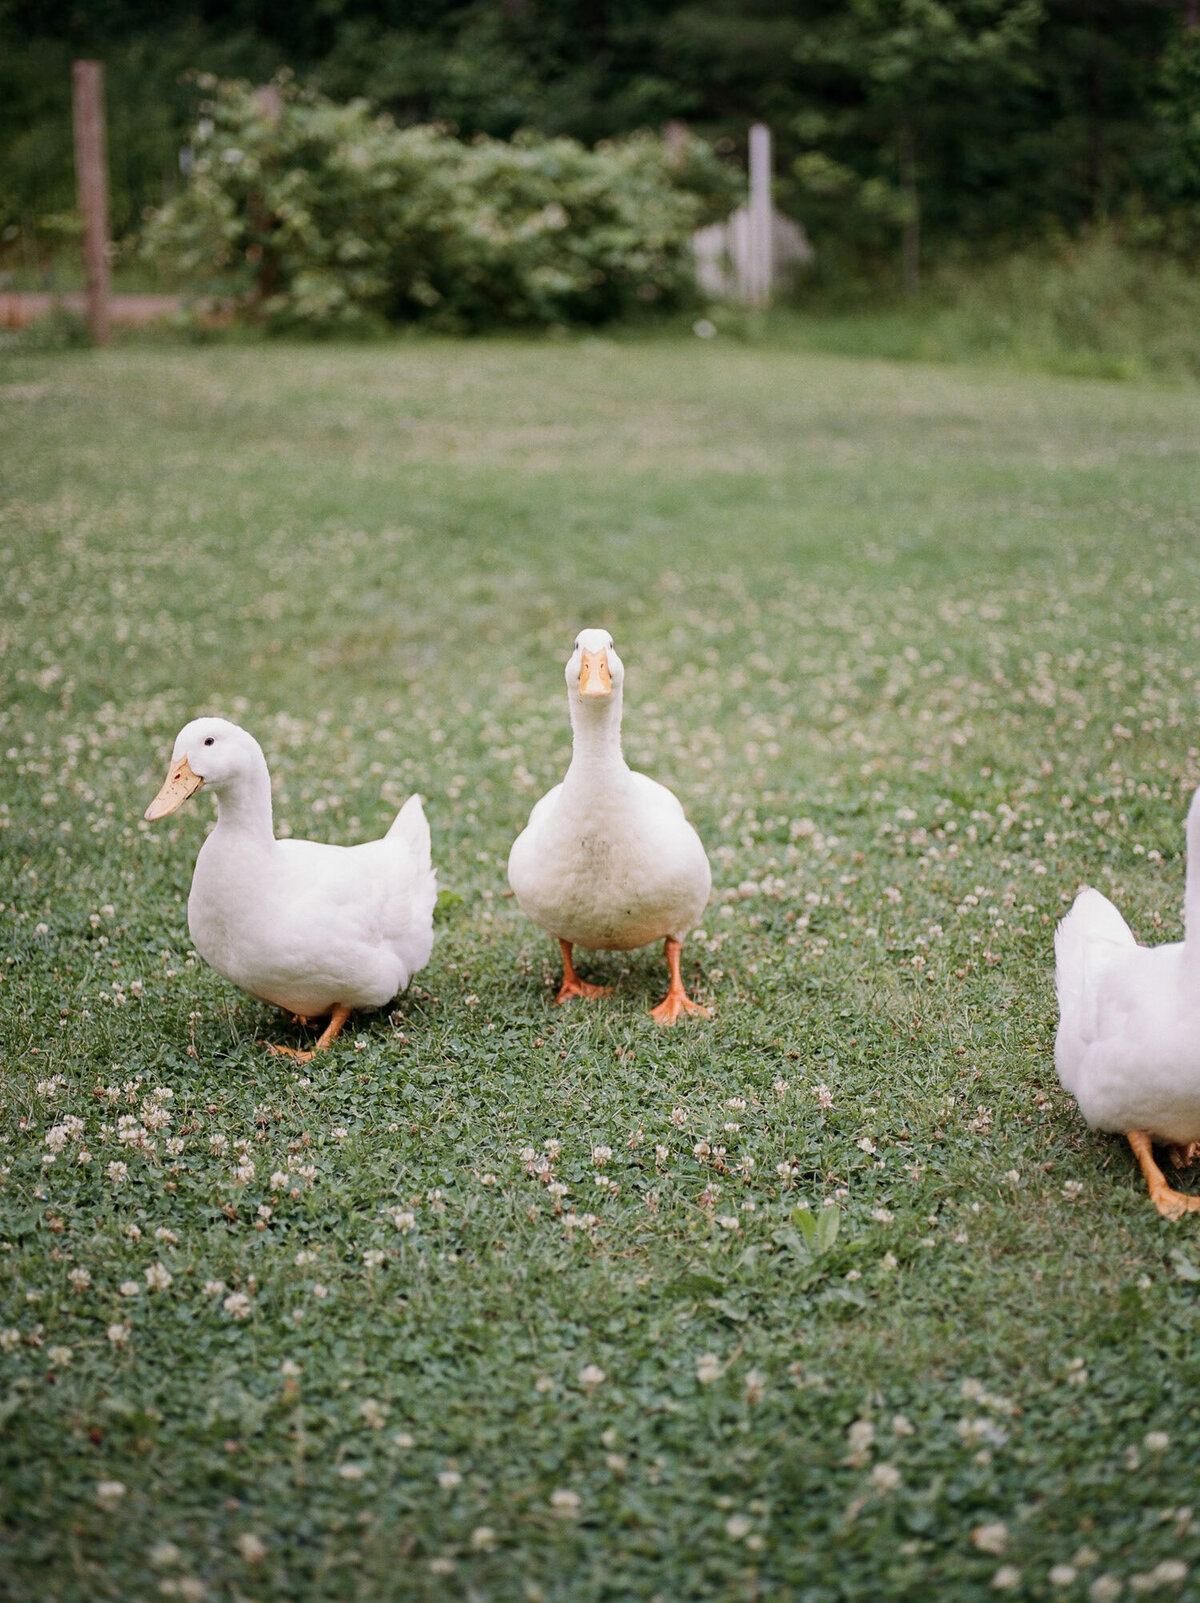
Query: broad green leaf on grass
{"points": [[735, 1311], [1183, 1266], [788, 1238], [805, 1222], [694, 1284], [826, 1231], [814, 1233]]}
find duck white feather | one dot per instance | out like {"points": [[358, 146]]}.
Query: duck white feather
{"points": [[608, 860], [312, 928], [1128, 1041]]}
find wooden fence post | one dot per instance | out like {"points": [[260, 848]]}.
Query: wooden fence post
{"points": [[91, 188]]}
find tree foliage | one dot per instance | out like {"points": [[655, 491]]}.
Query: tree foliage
{"points": [[993, 121], [330, 215]]}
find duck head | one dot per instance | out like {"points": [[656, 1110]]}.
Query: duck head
{"points": [[208, 751], [594, 670]]}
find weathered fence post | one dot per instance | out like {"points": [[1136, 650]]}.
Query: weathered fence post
{"points": [[760, 216], [91, 188]]}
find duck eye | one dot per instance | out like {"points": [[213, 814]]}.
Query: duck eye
{"points": [[209, 739]]}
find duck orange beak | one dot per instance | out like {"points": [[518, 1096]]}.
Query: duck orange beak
{"points": [[594, 677], [179, 784]]}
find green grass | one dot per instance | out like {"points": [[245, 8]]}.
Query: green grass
{"points": [[1088, 308], [917, 647]]}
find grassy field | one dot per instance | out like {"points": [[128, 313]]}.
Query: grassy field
{"points": [[856, 1308]]}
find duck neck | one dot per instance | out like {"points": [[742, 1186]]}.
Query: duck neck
{"points": [[596, 743], [244, 806], [1191, 893]]}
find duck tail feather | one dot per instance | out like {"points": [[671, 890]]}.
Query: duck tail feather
{"points": [[410, 824]]}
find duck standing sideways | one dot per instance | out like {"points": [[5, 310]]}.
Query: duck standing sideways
{"points": [[318, 930], [607, 860], [1128, 1042]]}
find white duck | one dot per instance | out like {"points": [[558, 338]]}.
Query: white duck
{"points": [[1128, 1042], [311, 928], [607, 860]]}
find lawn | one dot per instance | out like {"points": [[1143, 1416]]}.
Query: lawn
{"points": [[856, 1307]]}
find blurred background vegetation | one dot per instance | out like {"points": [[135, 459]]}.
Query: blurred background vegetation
{"points": [[915, 139]]}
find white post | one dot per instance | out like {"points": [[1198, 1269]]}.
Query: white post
{"points": [[758, 276]]}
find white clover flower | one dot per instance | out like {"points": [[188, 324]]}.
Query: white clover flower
{"points": [[756, 1386], [860, 1437], [118, 1335], [60, 1357], [158, 1277], [109, 1493], [729, 1221], [1170, 1572], [80, 1278], [237, 1305], [708, 1368], [117, 1173], [883, 1216], [591, 1376], [1062, 1574], [448, 1479], [885, 1478], [737, 1526], [351, 1472], [601, 1155], [10, 1340], [373, 1257], [213, 1288], [1005, 1578], [279, 1181], [374, 1414], [1104, 1589], [1156, 1441], [252, 1548], [565, 1503], [483, 1538], [403, 1219], [990, 1538], [164, 1554], [129, 1288]]}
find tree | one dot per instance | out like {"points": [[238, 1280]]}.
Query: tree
{"points": [[914, 78]]}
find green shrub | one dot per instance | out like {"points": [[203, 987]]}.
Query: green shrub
{"points": [[311, 213]]}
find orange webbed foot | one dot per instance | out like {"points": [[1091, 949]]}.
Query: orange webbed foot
{"points": [[677, 1000], [675, 1003], [274, 1048], [1183, 1153], [337, 1019], [572, 985], [577, 987], [1171, 1204]]}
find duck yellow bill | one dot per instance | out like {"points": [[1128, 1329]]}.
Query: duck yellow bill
{"points": [[179, 784], [594, 677]]}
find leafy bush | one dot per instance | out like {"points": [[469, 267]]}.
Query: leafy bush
{"points": [[329, 215]]}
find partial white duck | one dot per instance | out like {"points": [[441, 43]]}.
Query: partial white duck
{"points": [[1128, 1042], [607, 860], [314, 929]]}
